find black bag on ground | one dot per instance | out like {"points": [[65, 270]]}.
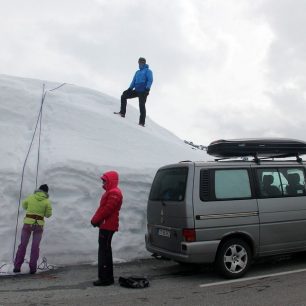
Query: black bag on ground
{"points": [[133, 282]]}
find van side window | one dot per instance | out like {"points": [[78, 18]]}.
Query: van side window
{"points": [[169, 185], [232, 184], [293, 181], [269, 183], [281, 182]]}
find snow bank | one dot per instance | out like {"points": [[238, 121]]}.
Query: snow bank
{"points": [[80, 139]]}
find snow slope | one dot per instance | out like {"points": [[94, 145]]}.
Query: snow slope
{"points": [[80, 139]]}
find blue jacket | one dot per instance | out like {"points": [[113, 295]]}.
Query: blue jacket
{"points": [[143, 79]]}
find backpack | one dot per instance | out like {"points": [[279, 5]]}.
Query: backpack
{"points": [[133, 282]]}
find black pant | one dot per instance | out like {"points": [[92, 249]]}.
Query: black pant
{"points": [[105, 256], [142, 97]]}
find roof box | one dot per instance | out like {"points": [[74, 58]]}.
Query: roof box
{"points": [[257, 147]]}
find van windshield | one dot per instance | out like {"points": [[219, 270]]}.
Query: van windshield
{"points": [[169, 185]]}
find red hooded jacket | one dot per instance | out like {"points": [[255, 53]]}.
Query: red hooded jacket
{"points": [[107, 215]]}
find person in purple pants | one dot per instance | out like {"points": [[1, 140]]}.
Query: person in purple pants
{"points": [[37, 207]]}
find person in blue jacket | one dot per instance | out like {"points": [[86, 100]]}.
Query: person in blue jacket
{"points": [[140, 87]]}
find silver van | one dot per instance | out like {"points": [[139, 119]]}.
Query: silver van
{"points": [[227, 212]]}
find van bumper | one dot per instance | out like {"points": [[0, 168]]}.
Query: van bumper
{"points": [[193, 252]]}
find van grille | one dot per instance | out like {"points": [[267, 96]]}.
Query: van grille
{"points": [[204, 185]]}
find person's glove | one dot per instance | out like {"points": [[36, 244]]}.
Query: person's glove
{"points": [[147, 91], [93, 224]]}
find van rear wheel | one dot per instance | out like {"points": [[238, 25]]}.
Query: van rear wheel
{"points": [[233, 258]]}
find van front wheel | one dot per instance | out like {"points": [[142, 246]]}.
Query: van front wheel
{"points": [[233, 258]]}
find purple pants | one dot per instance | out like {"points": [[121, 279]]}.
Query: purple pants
{"points": [[25, 236]]}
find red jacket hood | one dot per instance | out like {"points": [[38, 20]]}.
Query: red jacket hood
{"points": [[111, 178]]}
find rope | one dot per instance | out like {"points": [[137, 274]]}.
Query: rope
{"points": [[38, 121], [44, 265], [58, 87], [2, 267], [40, 126], [23, 169]]}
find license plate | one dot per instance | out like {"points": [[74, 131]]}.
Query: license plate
{"points": [[164, 233]]}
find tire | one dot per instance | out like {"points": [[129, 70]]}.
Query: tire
{"points": [[234, 258]]}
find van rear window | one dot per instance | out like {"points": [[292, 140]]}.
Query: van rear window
{"points": [[169, 185]]}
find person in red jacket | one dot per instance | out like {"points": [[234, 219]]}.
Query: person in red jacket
{"points": [[107, 219]]}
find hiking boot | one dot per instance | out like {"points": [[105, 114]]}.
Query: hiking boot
{"points": [[103, 282], [141, 124], [118, 113], [16, 270]]}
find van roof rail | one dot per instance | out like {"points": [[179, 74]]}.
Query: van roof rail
{"points": [[257, 160]]}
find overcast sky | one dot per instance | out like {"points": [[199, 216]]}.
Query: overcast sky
{"points": [[222, 68]]}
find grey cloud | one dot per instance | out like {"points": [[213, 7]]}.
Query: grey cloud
{"points": [[116, 35], [97, 44], [251, 121], [286, 65], [287, 56]]}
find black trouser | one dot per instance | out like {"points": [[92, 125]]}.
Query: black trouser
{"points": [[105, 256], [130, 94]]}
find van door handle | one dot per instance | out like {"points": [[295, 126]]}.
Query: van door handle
{"points": [[163, 203]]}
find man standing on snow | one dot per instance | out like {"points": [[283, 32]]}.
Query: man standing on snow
{"points": [[107, 218], [140, 87], [37, 207]]}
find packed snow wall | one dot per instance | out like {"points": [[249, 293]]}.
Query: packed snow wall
{"points": [[80, 139]]}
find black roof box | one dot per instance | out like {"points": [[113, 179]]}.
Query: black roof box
{"points": [[257, 147]]}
